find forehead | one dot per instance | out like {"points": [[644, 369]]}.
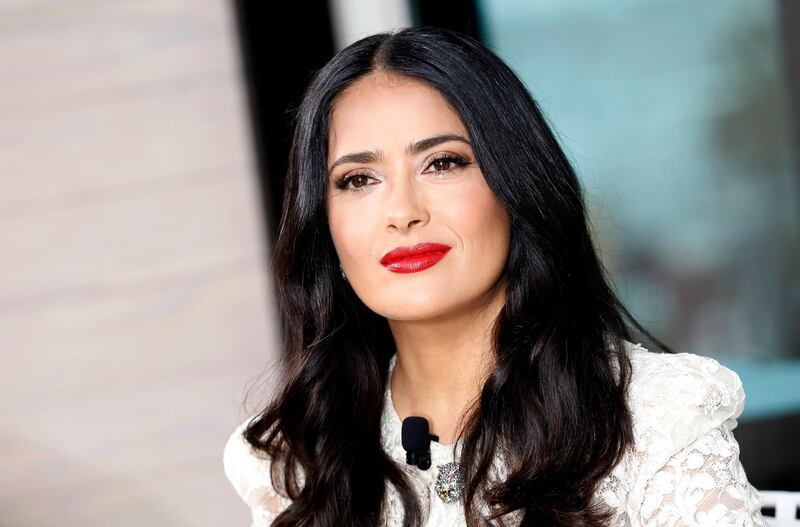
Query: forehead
{"points": [[387, 110]]}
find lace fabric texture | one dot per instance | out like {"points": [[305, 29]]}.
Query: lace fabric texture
{"points": [[683, 470]]}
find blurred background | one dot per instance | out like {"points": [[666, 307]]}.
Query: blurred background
{"points": [[142, 149]]}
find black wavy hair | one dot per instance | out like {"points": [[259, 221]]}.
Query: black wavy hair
{"points": [[555, 406]]}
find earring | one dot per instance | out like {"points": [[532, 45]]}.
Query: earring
{"points": [[342, 271]]}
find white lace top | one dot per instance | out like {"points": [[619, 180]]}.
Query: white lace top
{"points": [[684, 468]]}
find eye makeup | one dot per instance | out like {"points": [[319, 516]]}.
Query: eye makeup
{"points": [[455, 160]]}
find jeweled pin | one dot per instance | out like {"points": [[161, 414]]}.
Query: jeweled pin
{"points": [[448, 482]]}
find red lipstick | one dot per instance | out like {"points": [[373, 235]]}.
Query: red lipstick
{"points": [[415, 258]]}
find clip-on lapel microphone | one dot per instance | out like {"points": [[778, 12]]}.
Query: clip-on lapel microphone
{"points": [[417, 441]]}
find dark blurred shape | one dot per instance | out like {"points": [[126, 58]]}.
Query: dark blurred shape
{"points": [[460, 15], [768, 452], [282, 45], [789, 20]]}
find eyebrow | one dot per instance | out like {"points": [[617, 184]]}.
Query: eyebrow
{"points": [[372, 156]]}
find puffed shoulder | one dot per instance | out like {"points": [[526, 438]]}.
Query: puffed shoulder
{"points": [[243, 466], [676, 399], [249, 472]]}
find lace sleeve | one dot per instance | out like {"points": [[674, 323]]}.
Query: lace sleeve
{"points": [[703, 484], [249, 473]]}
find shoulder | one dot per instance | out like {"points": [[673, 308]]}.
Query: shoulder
{"points": [[684, 467], [248, 470], [243, 465], [675, 401], [675, 398]]}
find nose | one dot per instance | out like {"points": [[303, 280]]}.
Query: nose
{"points": [[405, 204]]}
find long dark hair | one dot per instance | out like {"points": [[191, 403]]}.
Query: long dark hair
{"points": [[555, 406]]}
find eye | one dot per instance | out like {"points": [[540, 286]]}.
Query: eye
{"points": [[359, 179], [447, 160]]}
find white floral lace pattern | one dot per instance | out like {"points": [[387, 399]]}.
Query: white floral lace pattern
{"points": [[249, 473], [682, 470], [703, 484]]}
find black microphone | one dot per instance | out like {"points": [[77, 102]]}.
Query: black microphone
{"points": [[417, 441]]}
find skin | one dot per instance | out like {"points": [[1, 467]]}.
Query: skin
{"points": [[440, 317]]}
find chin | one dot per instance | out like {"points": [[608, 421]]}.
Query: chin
{"points": [[417, 311]]}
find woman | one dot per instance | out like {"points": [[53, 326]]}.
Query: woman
{"points": [[434, 260]]}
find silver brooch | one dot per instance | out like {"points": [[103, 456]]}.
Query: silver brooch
{"points": [[449, 482]]}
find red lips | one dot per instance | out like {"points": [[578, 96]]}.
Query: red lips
{"points": [[415, 258]]}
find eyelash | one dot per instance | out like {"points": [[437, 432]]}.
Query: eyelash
{"points": [[457, 160]]}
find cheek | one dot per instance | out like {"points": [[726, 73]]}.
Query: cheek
{"points": [[348, 233], [480, 217]]}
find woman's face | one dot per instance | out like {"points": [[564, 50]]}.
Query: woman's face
{"points": [[400, 197]]}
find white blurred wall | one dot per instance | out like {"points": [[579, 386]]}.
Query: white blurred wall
{"points": [[355, 19], [134, 306]]}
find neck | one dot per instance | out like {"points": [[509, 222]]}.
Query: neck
{"points": [[442, 364]]}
